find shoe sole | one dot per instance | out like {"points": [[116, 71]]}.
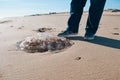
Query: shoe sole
{"points": [[70, 35]]}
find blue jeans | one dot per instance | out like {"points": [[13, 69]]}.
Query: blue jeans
{"points": [[95, 13]]}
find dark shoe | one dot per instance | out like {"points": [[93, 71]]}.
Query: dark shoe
{"points": [[67, 34], [89, 37]]}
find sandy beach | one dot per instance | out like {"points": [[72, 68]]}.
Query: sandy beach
{"points": [[85, 60]]}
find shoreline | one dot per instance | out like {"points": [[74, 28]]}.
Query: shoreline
{"points": [[112, 11]]}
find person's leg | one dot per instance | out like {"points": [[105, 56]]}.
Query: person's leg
{"points": [[75, 15], [74, 19], [95, 13]]}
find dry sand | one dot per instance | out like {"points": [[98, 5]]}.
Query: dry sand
{"points": [[95, 60]]}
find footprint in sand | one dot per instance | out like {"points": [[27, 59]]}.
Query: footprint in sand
{"points": [[1, 75], [7, 21], [116, 28], [115, 33], [11, 26], [21, 27], [44, 29], [78, 58]]}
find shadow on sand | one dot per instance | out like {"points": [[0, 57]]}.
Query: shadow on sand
{"points": [[100, 41]]}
